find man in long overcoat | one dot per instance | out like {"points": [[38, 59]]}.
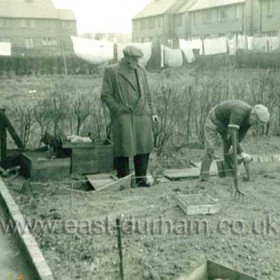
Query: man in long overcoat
{"points": [[126, 93]]}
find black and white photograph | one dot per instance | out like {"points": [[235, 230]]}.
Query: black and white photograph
{"points": [[140, 140]]}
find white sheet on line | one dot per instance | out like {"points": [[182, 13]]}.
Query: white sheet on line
{"points": [[93, 51], [215, 46], [232, 45], [172, 57], [185, 46], [5, 48]]}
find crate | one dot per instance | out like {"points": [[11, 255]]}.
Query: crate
{"points": [[90, 158], [37, 166], [197, 204]]}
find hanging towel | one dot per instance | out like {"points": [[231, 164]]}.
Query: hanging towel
{"points": [[5, 48], [259, 44], [215, 46], [250, 42], [146, 48], [172, 57], [93, 51], [232, 45], [242, 42], [185, 46]]}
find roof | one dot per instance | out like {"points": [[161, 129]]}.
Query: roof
{"points": [[33, 9], [155, 8], [186, 6], [207, 4]]}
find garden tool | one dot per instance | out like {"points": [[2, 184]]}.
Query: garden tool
{"points": [[233, 130]]}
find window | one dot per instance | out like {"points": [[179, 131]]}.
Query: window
{"points": [[5, 39], [143, 24], [159, 21], [237, 12], [222, 13], [29, 43], [151, 22], [48, 41], [207, 16], [270, 8], [26, 23], [179, 20]]}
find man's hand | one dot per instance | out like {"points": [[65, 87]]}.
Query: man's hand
{"points": [[246, 157], [155, 118]]}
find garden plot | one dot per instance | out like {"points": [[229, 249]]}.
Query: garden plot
{"points": [[159, 240]]}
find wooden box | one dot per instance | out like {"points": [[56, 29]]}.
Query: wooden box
{"points": [[37, 166], [197, 204], [90, 158]]}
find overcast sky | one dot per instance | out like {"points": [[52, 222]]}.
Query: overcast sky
{"points": [[103, 15]]}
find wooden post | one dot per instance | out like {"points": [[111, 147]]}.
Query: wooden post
{"points": [[3, 136], [118, 223]]}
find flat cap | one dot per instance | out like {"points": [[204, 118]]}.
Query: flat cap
{"points": [[261, 112], [132, 51]]}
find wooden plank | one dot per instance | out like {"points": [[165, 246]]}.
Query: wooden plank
{"points": [[189, 173], [197, 204], [217, 271], [109, 183], [3, 136]]}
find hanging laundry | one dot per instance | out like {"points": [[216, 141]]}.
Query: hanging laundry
{"points": [[259, 44], [215, 46], [197, 44], [5, 48], [242, 42], [93, 51], [172, 57], [273, 43], [250, 42], [146, 48], [232, 45], [185, 46]]}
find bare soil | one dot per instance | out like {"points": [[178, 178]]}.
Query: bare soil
{"points": [[159, 240]]}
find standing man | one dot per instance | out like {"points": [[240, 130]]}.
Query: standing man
{"points": [[126, 93], [231, 112]]}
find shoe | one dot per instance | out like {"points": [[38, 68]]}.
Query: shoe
{"points": [[143, 184]]}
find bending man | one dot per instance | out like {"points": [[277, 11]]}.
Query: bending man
{"points": [[231, 112]]}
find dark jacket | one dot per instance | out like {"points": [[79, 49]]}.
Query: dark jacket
{"points": [[131, 127]]}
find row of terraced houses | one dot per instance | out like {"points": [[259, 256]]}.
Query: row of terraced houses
{"points": [[36, 27], [164, 20]]}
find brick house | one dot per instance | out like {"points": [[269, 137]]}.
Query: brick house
{"points": [[218, 18], [156, 22], [269, 23], [36, 27]]}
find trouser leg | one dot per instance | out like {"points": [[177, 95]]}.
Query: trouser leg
{"points": [[206, 163], [122, 166], [228, 158], [141, 166]]}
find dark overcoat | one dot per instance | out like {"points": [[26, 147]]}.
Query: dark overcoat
{"points": [[131, 128]]}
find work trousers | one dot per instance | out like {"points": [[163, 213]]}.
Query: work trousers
{"points": [[140, 166], [212, 140]]}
